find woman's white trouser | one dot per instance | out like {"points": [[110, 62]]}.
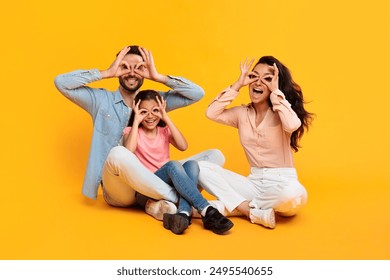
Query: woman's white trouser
{"points": [[276, 188]]}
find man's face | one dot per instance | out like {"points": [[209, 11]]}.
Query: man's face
{"points": [[131, 81]]}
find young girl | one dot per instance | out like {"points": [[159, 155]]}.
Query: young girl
{"points": [[270, 127], [148, 136]]}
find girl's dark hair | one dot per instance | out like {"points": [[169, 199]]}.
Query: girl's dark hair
{"points": [[294, 95], [147, 94]]}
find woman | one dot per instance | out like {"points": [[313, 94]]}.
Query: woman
{"points": [[269, 127], [148, 136]]}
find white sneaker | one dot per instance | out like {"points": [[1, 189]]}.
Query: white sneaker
{"points": [[156, 209], [265, 217]]}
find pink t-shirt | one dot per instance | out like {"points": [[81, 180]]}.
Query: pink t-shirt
{"points": [[152, 152]]}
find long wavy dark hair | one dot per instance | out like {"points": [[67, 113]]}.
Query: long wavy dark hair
{"points": [[293, 93], [147, 94]]}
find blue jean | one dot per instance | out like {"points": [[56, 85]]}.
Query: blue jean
{"points": [[124, 176], [184, 178]]}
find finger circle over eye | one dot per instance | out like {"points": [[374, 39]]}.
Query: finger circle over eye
{"points": [[140, 65], [124, 64]]}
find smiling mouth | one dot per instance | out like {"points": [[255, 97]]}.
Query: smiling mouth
{"points": [[257, 91], [131, 80], [149, 122]]}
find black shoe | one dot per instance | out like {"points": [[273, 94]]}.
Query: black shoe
{"points": [[177, 223], [215, 221]]}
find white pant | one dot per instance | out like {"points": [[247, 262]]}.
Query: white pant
{"points": [[124, 175], [276, 188]]}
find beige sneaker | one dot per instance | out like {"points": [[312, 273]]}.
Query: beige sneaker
{"points": [[157, 209], [264, 217]]}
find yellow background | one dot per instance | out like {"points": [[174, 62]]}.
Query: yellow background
{"points": [[338, 51]]}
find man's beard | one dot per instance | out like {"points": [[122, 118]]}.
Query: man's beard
{"points": [[134, 88]]}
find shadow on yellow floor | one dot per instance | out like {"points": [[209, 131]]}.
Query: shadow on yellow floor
{"points": [[69, 226]]}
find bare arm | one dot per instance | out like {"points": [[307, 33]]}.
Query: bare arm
{"points": [[177, 139], [130, 139]]}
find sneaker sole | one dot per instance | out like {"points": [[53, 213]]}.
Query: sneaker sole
{"points": [[177, 224], [226, 228], [272, 222], [221, 230], [266, 220]]}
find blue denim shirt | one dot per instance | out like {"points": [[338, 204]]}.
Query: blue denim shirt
{"points": [[111, 115]]}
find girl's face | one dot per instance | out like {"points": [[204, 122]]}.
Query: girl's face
{"points": [[258, 91], [151, 111]]}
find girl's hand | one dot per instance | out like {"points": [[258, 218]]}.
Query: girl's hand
{"points": [[139, 114], [246, 77], [161, 109], [272, 81]]}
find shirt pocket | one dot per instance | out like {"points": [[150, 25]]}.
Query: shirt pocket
{"points": [[104, 121]]}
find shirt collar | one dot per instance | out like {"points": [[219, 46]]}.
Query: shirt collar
{"points": [[118, 97]]}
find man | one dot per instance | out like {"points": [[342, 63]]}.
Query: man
{"points": [[110, 165]]}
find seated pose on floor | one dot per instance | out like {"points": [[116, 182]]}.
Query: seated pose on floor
{"points": [[269, 128], [110, 165], [148, 136]]}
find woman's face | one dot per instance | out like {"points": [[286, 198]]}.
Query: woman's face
{"points": [[258, 91], [151, 111]]}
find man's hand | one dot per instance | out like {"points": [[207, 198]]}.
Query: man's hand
{"points": [[147, 69], [119, 67]]}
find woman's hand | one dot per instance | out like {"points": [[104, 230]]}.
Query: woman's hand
{"points": [[272, 81], [246, 77]]}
